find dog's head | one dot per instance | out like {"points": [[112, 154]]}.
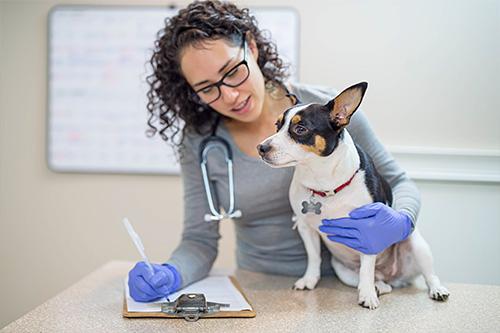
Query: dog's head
{"points": [[312, 130]]}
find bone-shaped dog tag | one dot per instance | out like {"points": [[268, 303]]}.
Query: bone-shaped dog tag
{"points": [[311, 206]]}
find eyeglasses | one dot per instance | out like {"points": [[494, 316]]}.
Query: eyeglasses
{"points": [[233, 78]]}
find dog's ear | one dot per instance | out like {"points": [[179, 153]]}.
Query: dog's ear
{"points": [[343, 106]]}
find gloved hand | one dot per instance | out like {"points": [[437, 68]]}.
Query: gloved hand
{"points": [[145, 286], [369, 229]]}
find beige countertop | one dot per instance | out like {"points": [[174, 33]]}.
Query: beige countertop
{"points": [[94, 304]]}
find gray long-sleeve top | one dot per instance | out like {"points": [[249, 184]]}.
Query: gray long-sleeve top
{"points": [[265, 239]]}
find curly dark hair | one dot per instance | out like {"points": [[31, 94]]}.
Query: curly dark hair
{"points": [[170, 97]]}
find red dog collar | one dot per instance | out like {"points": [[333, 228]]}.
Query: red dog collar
{"points": [[324, 194]]}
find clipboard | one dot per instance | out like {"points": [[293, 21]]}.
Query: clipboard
{"points": [[219, 314]]}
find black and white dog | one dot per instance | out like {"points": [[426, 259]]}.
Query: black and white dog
{"points": [[313, 138]]}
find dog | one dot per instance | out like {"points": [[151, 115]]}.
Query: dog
{"points": [[314, 139]]}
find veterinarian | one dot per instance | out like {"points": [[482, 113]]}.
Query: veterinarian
{"points": [[216, 71]]}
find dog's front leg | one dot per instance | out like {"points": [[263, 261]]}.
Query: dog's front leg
{"points": [[312, 243], [367, 292]]}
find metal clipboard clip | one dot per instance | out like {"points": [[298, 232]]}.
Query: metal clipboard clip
{"points": [[191, 307]]}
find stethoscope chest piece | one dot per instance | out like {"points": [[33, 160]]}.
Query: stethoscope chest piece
{"points": [[210, 143]]}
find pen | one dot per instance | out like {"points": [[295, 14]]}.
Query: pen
{"points": [[137, 242]]}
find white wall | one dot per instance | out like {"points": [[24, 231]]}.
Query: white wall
{"points": [[433, 69]]}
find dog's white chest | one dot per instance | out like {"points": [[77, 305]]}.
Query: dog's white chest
{"points": [[337, 205]]}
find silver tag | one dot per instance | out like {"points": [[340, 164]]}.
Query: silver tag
{"points": [[311, 206]]}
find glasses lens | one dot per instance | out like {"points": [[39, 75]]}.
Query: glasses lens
{"points": [[237, 75], [209, 94]]}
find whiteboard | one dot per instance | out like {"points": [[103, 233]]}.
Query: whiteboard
{"points": [[97, 55]]}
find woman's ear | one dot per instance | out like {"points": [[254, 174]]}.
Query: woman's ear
{"points": [[252, 45]]}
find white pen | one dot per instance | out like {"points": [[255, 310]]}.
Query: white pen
{"points": [[137, 242]]}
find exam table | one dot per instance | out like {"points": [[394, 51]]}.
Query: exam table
{"points": [[94, 304]]}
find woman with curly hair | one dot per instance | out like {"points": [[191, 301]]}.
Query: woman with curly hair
{"points": [[216, 72]]}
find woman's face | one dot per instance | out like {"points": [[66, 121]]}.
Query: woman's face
{"points": [[205, 64]]}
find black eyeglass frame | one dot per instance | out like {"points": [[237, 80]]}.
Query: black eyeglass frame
{"points": [[221, 81]]}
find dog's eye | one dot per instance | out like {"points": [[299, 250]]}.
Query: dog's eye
{"points": [[300, 130]]}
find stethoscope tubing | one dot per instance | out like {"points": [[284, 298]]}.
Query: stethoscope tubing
{"points": [[213, 142]]}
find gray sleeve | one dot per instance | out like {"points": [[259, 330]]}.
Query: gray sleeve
{"points": [[196, 253], [406, 197]]}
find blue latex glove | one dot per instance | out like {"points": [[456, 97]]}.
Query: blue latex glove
{"points": [[369, 229], [145, 286]]}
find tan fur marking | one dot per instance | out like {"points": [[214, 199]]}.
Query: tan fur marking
{"points": [[296, 119], [319, 145]]}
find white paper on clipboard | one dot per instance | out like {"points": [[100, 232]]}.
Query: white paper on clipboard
{"points": [[218, 289]]}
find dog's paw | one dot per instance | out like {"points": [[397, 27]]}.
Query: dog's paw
{"points": [[439, 293], [368, 299], [306, 282], [382, 288]]}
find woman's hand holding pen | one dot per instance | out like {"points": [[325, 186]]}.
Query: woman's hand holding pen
{"points": [[147, 286]]}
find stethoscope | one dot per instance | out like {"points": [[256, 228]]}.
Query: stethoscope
{"points": [[216, 142], [210, 143]]}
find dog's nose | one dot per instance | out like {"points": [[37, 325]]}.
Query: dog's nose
{"points": [[263, 149]]}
